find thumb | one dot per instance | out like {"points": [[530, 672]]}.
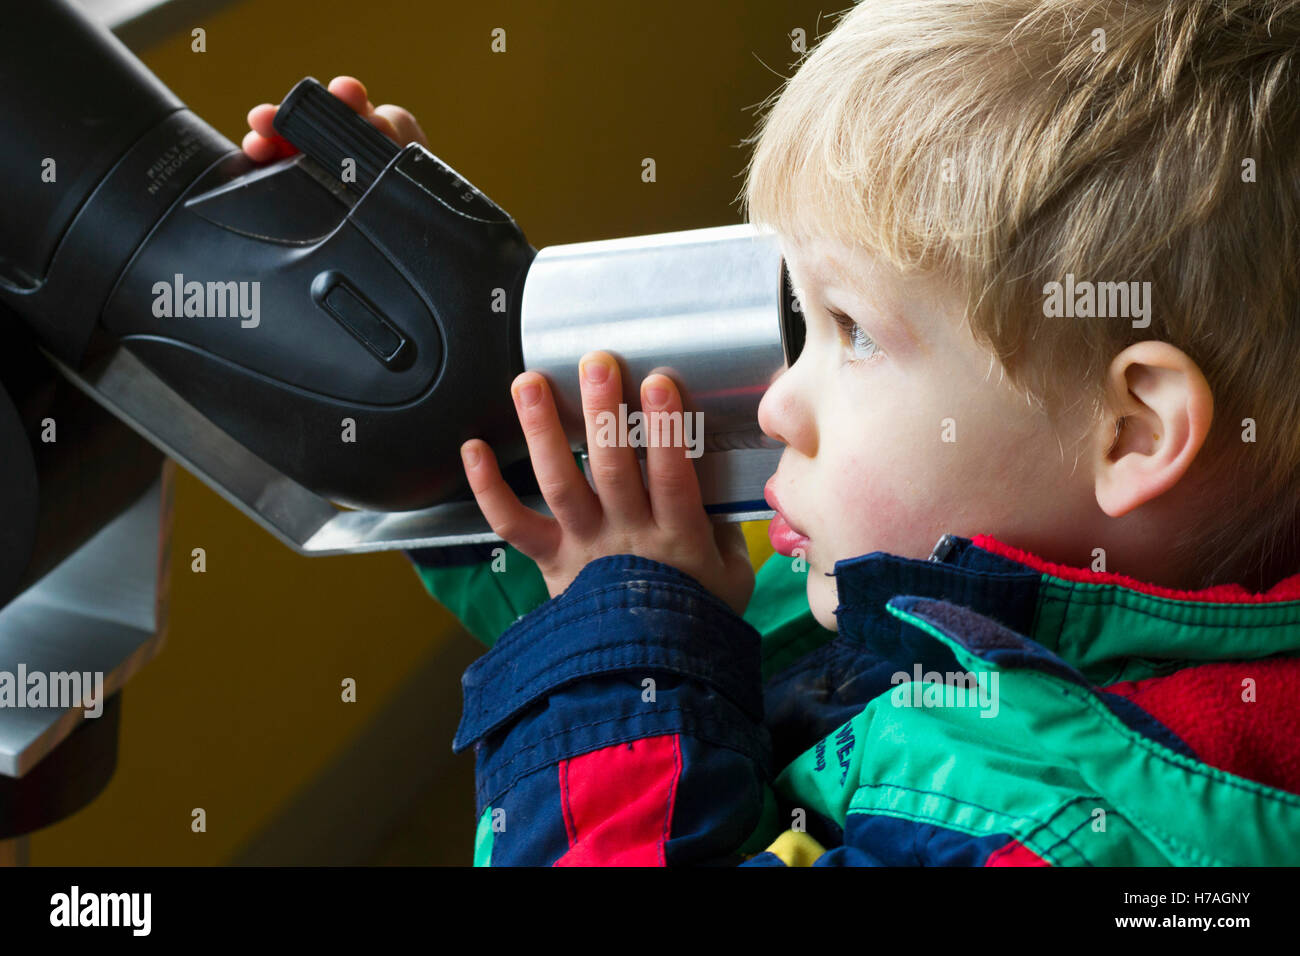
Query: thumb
{"points": [[730, 539], [738, 570]]}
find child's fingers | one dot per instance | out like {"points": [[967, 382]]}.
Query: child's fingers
{"points": [[262, 143], [732, 546], [261, 119], [263, 150], [393, 121], [560, 480], [351, 91], [258, 148], [385, 125], [615, 469], [405, 128], [527, 531], [674, 487]]}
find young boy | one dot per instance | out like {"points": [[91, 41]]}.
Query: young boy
{"points": [[1047, 256]]}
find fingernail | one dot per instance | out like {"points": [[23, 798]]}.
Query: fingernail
{"points": [[529, 394], [595, 371], [470, 453], [656, 395]]}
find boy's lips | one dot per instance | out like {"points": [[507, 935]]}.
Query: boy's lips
{"points": [[784, 536]]}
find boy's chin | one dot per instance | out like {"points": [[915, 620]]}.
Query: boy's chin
{"points": [[822, 600]]}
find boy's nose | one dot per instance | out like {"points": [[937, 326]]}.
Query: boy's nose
{"points": [[785, 417]]}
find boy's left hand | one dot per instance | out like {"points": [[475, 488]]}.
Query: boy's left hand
{"points": [[670, 525], [263, 144]]}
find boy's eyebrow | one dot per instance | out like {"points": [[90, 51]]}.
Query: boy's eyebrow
{"points": [[841, 273], [836, 270], [826, 266], [901, 327], [842, 276]]}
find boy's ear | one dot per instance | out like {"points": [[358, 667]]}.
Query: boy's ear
{"points": [[1167, 407]]}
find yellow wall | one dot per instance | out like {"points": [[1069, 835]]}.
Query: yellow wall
{"points": [[241, 710]]}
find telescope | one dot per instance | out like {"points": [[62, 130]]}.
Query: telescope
{"points": [[315, 337]]}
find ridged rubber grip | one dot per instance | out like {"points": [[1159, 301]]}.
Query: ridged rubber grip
{"points": [[327, 130]]}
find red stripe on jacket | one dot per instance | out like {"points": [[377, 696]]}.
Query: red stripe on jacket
{"points": [[1288, 589], [1205, 707], [1015, 853], [618, 802]]}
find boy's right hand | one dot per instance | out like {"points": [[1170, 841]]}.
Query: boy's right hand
{"points": [[666, 523], [263, 144]]}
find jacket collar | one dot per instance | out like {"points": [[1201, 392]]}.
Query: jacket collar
{"points": [[1108, 626]]}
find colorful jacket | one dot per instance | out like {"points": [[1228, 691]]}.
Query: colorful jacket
{"points": [[981, 708]]}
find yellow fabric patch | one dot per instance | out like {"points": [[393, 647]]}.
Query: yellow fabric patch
{"points": [[796, 849], [760, 545]]}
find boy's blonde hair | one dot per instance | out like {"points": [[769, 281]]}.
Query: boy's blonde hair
{"points": [[1009, 144]]}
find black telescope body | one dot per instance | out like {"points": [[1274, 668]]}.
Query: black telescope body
{"points": [[346, 318], [313, 337], [280, 300]]}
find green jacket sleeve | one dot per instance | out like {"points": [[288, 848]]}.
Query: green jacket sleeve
{"points": [[488, 587], [489, 591]]}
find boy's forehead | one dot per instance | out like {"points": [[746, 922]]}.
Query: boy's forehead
{"points": [[826, 261], [910, 303]]}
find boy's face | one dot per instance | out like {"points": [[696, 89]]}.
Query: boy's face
{"points": [[901, 431]]}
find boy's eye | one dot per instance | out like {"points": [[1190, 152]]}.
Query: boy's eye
{"points": [[861, 343]]}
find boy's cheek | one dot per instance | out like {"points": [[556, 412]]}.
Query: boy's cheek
{"points": [[896, 473], [879, 503]]}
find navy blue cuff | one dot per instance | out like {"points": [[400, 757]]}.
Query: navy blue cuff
{"points": [[621, 613]]}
